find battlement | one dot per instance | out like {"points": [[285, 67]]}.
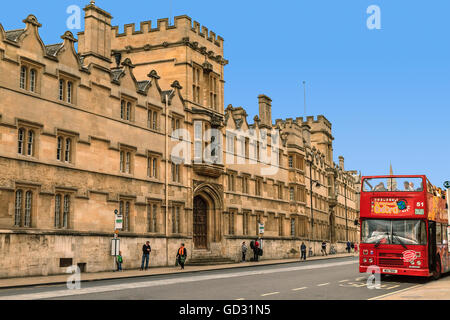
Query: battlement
{"points": [[320, 120], [181, 23]]}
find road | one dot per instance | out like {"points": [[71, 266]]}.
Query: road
{"points": [[336, 279]]}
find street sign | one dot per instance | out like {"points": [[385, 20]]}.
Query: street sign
{"points": [[447, 184], [118, 221], [115, 247], [261, 228]]}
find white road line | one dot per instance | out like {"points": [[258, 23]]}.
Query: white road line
{"points": [[240, 299], [393, 287], [392, 293], [302, 288], [172, 281], [269, 294], [344, 280], [323, 284]]}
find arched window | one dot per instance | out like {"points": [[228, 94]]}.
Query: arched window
{"points": [[23, 78], [28, 207], [20, 138], [18, 208], [33, 80], [69, 91], [122, 109], [30, 143], [59, 149], [67, 151], [128, 111], [57, 210], [61, 90]]}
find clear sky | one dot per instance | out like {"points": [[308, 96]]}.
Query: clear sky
{"points": [[386, 92]]}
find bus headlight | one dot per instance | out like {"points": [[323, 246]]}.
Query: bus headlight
{"points": [[364, 260], [412, 262], [419, 263]]}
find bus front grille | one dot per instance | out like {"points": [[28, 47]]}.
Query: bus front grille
{"points": [[385, 262]]}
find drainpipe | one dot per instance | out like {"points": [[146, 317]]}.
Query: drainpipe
{"points": [[166, 137]]}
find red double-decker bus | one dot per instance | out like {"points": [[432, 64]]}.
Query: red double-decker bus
{"points": [[404, 226]]}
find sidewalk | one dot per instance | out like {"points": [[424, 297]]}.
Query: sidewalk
{"points": [[434, 290], [61, 279]]}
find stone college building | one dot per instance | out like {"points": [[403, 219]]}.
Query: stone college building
{"points": [[134, 122]]}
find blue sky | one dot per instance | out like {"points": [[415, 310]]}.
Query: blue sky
{"points": [[386, 92]]}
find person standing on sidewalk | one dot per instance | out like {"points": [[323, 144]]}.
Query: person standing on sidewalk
{"points": [[181, 256], [348, 246], [303, 251], [256, 251], [244, 251], [119, 261], [146, 249], [324, 248]]}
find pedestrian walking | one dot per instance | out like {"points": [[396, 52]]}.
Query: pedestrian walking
{"points": [[181, 256], [119, 261], [356, 248], [303, 251], [244, 251], [324, 248], [348, 246], [146, 249], [353, 247]]}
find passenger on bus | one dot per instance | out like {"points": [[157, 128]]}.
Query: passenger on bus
{"points": [[380, 187]]}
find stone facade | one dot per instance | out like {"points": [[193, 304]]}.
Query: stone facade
{"points": [[86, 132]]}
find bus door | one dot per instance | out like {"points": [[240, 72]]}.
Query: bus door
{"points": [[431, 245]]}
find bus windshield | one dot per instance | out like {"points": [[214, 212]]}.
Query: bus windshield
{"points": [[403, 232], [392, 184]]}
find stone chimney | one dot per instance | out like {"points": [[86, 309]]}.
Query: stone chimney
{"points": [[95, 41], [265, 110], [341, 163]]}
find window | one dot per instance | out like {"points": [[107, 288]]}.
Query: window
{"points": [[291, 162], [231, 217], [64, 148], [176, 219], [23, 78], [23, 208], [26, 142], [66, 90], [152, 166], [408, 232], [62, 210], [126, 110], [29, 78], [126, 161], [176, 175], [280, 190], [196, 84], [213, 89], [176, 122], [245, 220], [292, 194], [230, 144], [152, 120], [231, 182], [293, 231], [258, 184], [244, 184], [152, 217], [281, 225], [124, 211]]}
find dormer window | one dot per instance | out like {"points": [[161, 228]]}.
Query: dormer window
{"points": [[29, 78], [66, 90]]}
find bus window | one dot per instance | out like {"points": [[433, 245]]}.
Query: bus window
{"points": [[444, 234], [406, 232], [393, 184]]}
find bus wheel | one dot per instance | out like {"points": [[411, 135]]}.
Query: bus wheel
{"points": [[437, 269]]}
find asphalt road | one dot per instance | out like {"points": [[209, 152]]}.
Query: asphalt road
{"points": [[336, 279]]}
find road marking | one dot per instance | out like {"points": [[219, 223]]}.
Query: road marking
{"points": [[323, 284], [240, 299], [392, 293], [269, 294], [360, 278], [302, 288], [393, 287], [344, 280], [172, 281]]}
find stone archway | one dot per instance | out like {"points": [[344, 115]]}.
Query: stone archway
{"points": [[207, 214], [200, 221]]}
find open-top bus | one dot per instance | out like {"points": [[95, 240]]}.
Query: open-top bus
{"points": [[404, 226]]}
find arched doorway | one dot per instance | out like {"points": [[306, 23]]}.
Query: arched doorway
{"points": [[200, 223]]}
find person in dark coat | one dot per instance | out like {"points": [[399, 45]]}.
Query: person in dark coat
{"points": [[146, 249], [181, 256], [303, 251], [256, 251]]}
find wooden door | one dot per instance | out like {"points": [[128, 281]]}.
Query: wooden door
{"points": [[200, 223]]}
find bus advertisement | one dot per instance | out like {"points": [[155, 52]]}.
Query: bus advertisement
{"points": [[404, 226]]}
